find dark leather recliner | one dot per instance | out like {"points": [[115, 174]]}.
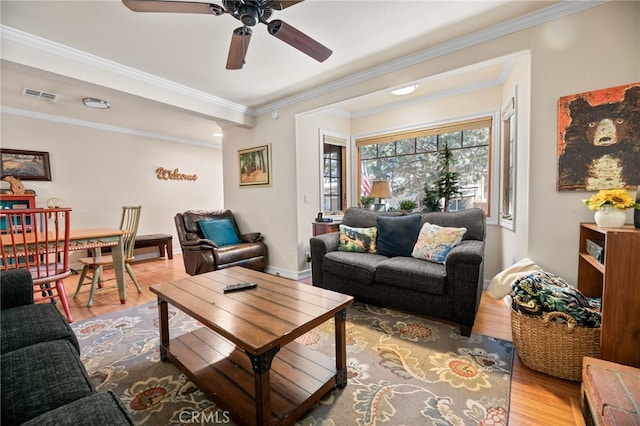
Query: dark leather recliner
{"points": [[201, 255]]}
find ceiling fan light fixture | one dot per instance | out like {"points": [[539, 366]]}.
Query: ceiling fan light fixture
{"points": [[404, 90], [96, 103], [249, 15]]}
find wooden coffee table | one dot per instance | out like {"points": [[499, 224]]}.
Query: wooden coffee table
{"points": [[245, 358]]}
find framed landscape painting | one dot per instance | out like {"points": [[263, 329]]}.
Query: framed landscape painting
{"points": [[255, 166], [25, 165]]}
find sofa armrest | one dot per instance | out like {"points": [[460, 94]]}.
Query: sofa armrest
{"points": [[16, 288], [465, 277], [467, 252], [199, 244], [319, 246], [251, 237]]}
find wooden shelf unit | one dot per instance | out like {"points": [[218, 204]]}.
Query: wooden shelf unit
{"points": [[11, 201], [319, 228], [617, 282]]}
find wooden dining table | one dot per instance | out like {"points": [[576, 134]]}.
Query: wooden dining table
{"points": [[95, 239]]}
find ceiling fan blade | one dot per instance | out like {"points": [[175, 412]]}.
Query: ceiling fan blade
{"points": [[283, 4], [238, 49], [299, 40], [173, 7]]}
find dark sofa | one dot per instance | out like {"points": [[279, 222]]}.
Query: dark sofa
{"points": [[43, 379], [450, 291]]}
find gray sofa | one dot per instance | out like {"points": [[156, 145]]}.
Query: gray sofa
{"points": [[449, 292], [43, 379]]}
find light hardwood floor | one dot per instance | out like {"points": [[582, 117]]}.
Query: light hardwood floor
{"points": [[536, 399]]}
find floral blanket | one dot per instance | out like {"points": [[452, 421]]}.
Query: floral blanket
{"points": [[539, 292]]}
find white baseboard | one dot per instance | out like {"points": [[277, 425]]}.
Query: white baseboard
{"points": [[285, 273]]}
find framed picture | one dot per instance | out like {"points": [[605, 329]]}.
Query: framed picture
{"points": [[25, 165], [255, 166], [598, 139]]}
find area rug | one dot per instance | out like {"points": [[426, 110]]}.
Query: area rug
{"points": [[402, 370]]}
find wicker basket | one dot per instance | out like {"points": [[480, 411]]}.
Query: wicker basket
{"points": [[553, 347]]}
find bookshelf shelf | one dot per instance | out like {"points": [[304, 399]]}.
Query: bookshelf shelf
{"points": [[616, 282]]}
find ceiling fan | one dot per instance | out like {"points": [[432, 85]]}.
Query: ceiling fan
{"points": [[250, 13]]}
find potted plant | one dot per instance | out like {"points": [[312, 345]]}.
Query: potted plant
{"points": [[366, 202], [610, 206], [407, 205]]}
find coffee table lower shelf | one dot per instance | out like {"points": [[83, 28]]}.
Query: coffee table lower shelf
{"points": [[299, 376]]}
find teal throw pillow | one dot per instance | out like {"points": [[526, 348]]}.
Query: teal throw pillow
{"points": [[397, 234], [359, 240], [435, 242], [220, 231]]}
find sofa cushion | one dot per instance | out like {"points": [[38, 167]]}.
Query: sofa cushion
{"points": [[365, 218], [33, 324], [190, 218], [358, 267], [435, 242], [39, 378], [413, 274], [473, 219], [220, 231], [359, 240], [397, 235], [99, 409]]}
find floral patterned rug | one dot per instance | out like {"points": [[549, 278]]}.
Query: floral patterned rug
{"points": [[402, 370]]}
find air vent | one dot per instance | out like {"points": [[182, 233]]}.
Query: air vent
{"points": [[39, 94]]}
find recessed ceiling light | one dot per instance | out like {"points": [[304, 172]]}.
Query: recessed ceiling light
{"points": [[404, 90], [96, 103]]}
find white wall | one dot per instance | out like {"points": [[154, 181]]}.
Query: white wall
{"points": [[593, 49], [308, 128], [96, 172]]}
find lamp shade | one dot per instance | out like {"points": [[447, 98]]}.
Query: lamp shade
{"points": [[380, 189]]}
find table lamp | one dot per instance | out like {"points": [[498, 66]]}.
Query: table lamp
{"points": [[380, 189]]}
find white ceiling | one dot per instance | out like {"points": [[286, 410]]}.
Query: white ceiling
{"points": [[190, 51]]}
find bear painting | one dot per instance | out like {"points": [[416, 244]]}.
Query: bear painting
{"points": [[599, 139]]}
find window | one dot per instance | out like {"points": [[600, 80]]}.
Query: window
{"points": [[508, 176], [333, 174], [410, 159]]}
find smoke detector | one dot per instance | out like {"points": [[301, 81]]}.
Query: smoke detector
{"points": [[39, 94]]}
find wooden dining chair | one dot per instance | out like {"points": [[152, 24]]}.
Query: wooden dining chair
{"points": [[38, 240], [129, 223]]}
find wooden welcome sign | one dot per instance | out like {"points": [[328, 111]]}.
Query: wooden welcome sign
{"points": [[164, 174]]}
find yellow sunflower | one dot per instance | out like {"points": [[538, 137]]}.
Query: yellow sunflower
{"points": [[618, 198]]}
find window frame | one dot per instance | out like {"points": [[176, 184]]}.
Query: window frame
{"points": [[342, 140], [436, 127], [509, 143]]}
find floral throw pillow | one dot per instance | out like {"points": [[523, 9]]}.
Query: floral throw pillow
{"points": [[435, 242], [360, 240]]}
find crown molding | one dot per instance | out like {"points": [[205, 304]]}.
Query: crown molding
{"points": [[105, 127], [526, 21], [535, 18], [39, 43]]}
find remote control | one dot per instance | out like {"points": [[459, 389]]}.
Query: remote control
{"points": [[239, 286]]}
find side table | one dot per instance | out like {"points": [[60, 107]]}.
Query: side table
{"points": [[320, 228]]}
